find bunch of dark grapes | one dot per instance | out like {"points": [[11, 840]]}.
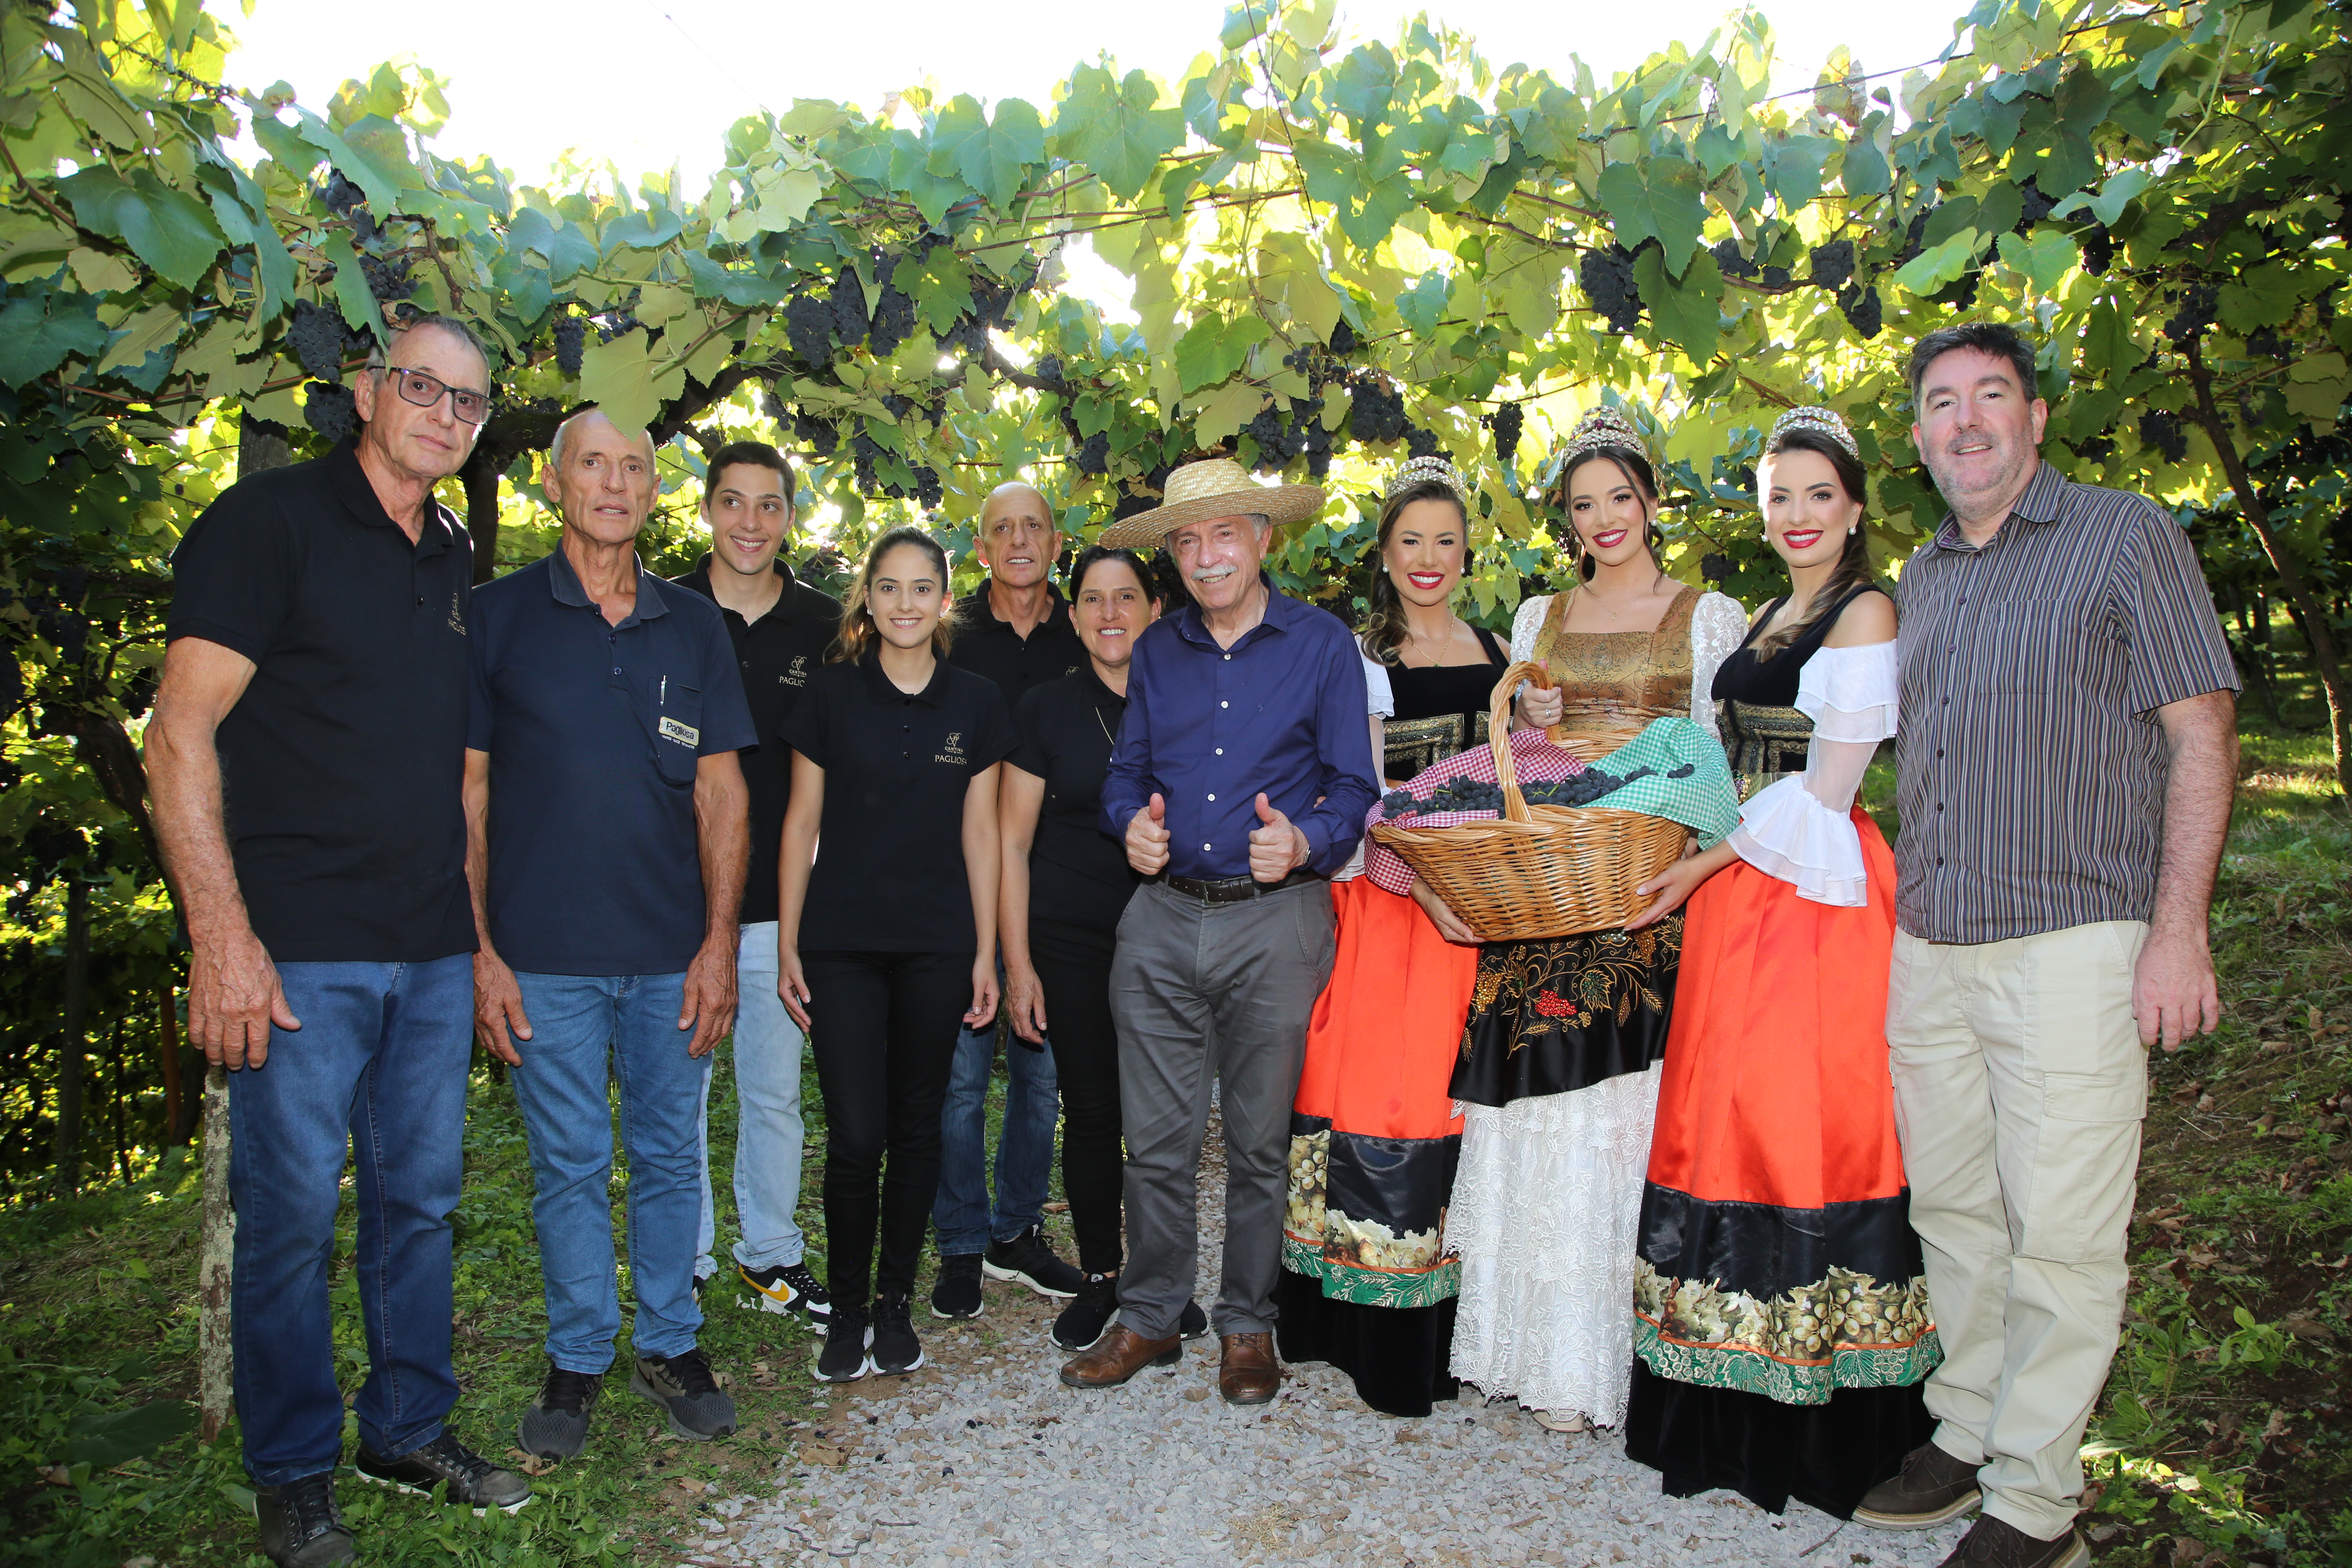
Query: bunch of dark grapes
{"points": [[928, 490], [2098, 251], [1775, 279], [1962, 294], [613, 326], [2164, 433], [386, 279], [862, 452], [340, 194], [893, 322], [1507, 422], [570, 345], [1049, 370], [847, 303], [1863, 309], [1277, 443], [1915, 237], [1608, 279], [2196, 313], [1093, 456], [2096, 449], [1729, 261], [968, 337], [1307, 418], [1378, 412], [1343, 337], [808, 326], [1833, 264], [328, 409], [2268, 344], [821, 437], [1420, 443], [316, 337], [2037, 206], [1715, 566]]}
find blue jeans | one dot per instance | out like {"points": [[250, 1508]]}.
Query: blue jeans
{"points": [[376, 1072], [768, 1131], [580, 1023], [962, 1214]]}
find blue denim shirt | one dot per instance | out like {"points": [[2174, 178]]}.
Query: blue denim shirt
{"points": [[1209, 728]]}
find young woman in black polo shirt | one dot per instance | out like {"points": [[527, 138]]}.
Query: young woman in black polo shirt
{"points": [[1065, 887], [887, 931]]}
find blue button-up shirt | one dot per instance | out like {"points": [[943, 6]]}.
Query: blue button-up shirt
{"points": [[1208, 728]]}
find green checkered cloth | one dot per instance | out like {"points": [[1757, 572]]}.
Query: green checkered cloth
{"points": [[1705, 802]]}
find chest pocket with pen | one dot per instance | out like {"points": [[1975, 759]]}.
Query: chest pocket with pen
{"points": [[678, 731]]}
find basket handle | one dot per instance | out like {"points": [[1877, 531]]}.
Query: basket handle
{"points": [[1498, 735]]}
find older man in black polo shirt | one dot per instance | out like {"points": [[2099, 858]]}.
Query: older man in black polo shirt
{"points": [[780, 626], [304, 754], [606, 829], [1014, 629]]}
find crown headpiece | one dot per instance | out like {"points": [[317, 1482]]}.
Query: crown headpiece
{"points": [[1418, 470], [1821, 422], [1603, 426]]}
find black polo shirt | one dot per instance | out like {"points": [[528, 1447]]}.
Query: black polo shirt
{"points": [[986, 646], [593, 733], [1068, 729], [341, 764], [775, 655], [889, 875]]}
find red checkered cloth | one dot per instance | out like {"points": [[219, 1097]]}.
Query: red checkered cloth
{"points": [[1532, 754]]}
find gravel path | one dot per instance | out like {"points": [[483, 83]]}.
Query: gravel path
{"points": [[982, 1456]]}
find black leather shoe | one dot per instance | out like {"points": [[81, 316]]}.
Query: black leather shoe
{"points": [[468, 1478], [300, 1525]]}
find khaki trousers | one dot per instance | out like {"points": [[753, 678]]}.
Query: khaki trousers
{"points": [[2020, 1084]]}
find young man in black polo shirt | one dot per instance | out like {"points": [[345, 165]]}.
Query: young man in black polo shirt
{"points": [[1014, 629], [304, 754], [780, 627]]}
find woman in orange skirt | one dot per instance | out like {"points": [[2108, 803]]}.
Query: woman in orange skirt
{"points": [[1783, 1324], [1368, 1283]]}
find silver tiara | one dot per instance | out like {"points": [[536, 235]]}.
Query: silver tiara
{"points": [[1821, 422], [1603, 427], [1416, 470]]}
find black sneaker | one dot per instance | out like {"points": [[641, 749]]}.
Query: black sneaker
{"points": [[1082, 1323], [1027, 1260], [846, 1340], [956, 1292], [896, 1348], [555, 1424], [790, 1289], [1193, 1324], [445, 1462], [300, 1525], [697, 1408]]}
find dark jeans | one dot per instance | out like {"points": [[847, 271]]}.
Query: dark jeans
{"points": [[1072, 965], [883, 1031], [377, 1074]]}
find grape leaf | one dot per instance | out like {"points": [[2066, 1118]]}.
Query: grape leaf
{"points": [[1115, 129], [170, 231], [38, 330], [1685, 311], [940, 287], [993, 159], [2044, 259], [1659, 199], [1213, 348]]}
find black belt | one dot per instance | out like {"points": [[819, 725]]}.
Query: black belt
{"points": [[1234, 889]]}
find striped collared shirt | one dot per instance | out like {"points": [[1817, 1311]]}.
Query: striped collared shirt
{"points": [[2031, 765]]}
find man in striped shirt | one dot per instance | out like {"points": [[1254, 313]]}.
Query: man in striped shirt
{"points": [[2068, 752]]}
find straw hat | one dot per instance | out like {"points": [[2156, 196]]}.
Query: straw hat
{"points": [[1216, 487]]}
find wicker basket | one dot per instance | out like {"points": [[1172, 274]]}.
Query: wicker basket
{"points": [[1543, 870]]}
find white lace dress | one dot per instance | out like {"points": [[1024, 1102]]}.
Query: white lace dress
{"points": [[1548, 1196]]}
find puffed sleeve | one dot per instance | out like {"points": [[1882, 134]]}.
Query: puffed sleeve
{"points": [[1526, 625], [1802, 828], [1380, 697], [1718, 625]]}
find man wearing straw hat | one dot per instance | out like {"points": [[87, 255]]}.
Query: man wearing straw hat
{"points": [[1240, 782]]}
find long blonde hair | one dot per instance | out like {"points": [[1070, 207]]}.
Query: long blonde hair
{"points": [[857, 633]]}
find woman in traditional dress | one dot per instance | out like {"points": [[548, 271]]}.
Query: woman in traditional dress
{"points": [[1558, 1064], [1783, 1325], [1368, 1283]]}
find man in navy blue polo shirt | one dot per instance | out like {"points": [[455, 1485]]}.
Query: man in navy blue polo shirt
{"points": [[607, 827], [304, 754]]}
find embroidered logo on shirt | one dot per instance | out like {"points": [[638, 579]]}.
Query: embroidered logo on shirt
{"points": [[683, 734], [953, 753], [798, 674], [457, 617]]}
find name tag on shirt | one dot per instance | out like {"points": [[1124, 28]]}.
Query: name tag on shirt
{"points": [[683, 734]]}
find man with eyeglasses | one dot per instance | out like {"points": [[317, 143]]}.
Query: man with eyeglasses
{"points": [[305, 753]]}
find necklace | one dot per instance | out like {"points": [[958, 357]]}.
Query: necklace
{"points": [[1104, 725], [1587, 590]]}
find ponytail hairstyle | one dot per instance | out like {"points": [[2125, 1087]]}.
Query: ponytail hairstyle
{"points": [[1853, 568], [1383, 630], [857, 634]]}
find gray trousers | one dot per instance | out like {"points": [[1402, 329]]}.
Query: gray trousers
{"points": [[1200, 993]]}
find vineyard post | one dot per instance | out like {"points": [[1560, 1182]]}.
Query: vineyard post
{"points": [[71, 1054]]}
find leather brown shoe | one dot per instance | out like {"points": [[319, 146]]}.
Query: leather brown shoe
{"points": [[1997, 1543], [1118, 1356], [1247, 1372], [1933, 1487]]}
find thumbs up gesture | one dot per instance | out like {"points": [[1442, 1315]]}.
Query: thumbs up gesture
{"points": [[1276, 846], [1147, 838]]}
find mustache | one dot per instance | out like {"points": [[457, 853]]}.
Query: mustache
{"points": [[1211, 573]]}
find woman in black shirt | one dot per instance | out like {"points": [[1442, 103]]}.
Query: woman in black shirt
{"points": [[886, 936], [1065, 887]]}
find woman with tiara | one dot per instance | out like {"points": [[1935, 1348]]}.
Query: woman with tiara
{"points": [[1782, 1322], [1368, 1282], [1558, 1065]]}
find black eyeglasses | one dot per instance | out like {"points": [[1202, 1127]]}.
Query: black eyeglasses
{"points": [[424, 391]]}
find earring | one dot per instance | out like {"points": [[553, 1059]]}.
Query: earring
{"points": [[1851, 532]]}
